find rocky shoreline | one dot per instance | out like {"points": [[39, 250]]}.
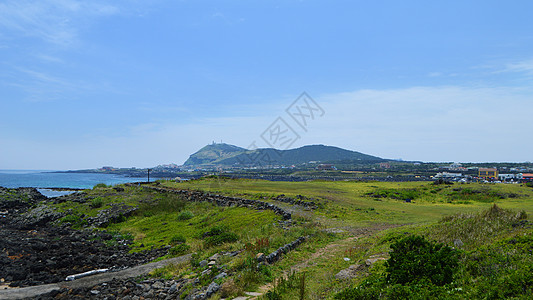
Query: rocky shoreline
{"points": [[35, 252], [38, 251]]}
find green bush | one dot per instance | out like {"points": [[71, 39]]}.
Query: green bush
{"points": [[73, 220], [226, 237], [399, 194], [97, 202], [185, 215], [216, 230], [415, 259], [179, 249], [100, 186], [177, 239], [219, 235]]}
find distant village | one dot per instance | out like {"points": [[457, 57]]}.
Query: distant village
{"points": [[456, 172], [392, 170]]}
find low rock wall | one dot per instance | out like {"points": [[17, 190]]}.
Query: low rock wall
{"points": [[276, 255], [199, 196]]}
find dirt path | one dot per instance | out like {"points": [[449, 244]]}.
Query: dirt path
{"points": [[327, 251], [33, 291]]}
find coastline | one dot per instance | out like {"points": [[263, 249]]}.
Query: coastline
{"points": [[61, 180]]}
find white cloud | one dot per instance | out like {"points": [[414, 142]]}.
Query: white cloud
{"points": [[42, 86], [420, 123], [525, 66], [54, 21], [429, 123]]}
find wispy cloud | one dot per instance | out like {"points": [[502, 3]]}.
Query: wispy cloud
{"points": [[42, 86], [54, 21], [525, 66], [48, 58]]}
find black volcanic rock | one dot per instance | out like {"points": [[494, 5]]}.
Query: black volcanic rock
{"points": [[19, 198]]}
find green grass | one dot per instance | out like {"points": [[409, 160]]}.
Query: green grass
{"points": [[349, 204], [443, 213], [495, 258]]}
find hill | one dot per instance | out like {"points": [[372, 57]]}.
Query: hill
{"points": [[212, 153], [227, 155]]}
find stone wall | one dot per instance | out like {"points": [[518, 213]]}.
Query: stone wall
{"points": [[220, 200]]}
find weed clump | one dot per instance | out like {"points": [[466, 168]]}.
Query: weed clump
{"points": [[185, 215], [219, 235], [177, 239], [74, 220], [477, 229], [398, 194], [179, 249], [165, 203], [294, 284]]}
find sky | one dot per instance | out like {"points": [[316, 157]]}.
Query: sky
{"points": [[131, 83]]}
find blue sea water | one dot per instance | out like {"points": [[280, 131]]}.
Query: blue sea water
{"points": [[46, 179]]}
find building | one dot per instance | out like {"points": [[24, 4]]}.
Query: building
{"points": [[508, 177], [527, 177], [384, 165], [488, 173], [449, 176], [324, 167]]}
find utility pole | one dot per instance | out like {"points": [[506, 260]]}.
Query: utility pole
{"points": [[149, 175]]}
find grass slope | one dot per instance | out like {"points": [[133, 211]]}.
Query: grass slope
{"points": [[355, 220]]}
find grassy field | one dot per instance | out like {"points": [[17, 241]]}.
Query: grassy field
{"points": [[354, 221], [351, 203], [418, 207]]}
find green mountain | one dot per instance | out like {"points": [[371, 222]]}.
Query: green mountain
{"points": [[212, 153], [228, 155]]}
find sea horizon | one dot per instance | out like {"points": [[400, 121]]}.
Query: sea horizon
{"points": [[53, 179]]}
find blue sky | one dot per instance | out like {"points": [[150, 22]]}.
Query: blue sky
{"points": [[141, 83]]}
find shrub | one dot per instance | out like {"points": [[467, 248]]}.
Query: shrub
{"points": [[185, 215], [177, 239], [100, 186], [73, 220], [229, 288], [226, 237], [219, 235], [179, 249], [415, 259], [97, 202], [216, 230]]}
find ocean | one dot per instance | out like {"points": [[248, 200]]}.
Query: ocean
{"points": [[44, 179]]}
